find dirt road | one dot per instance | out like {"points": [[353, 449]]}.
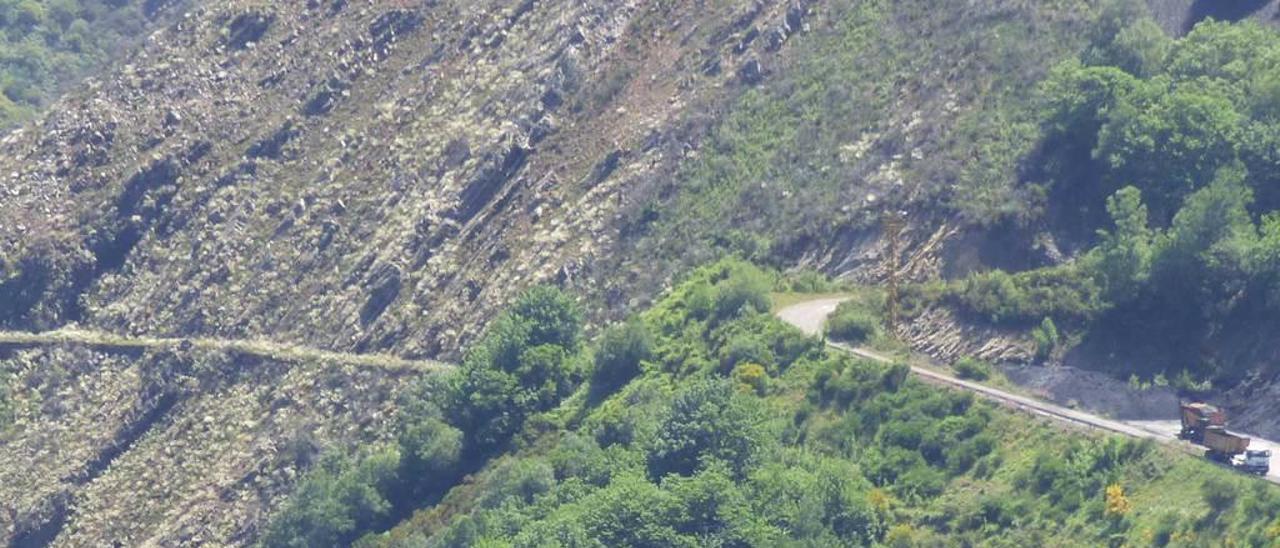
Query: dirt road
{"points": [[809, 316], [265, 349]]}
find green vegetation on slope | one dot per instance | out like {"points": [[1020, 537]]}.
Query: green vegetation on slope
{"points": [[812, 448], [909, 102], [1166, 149], [526, 363], [49, 45], [856, 320]]}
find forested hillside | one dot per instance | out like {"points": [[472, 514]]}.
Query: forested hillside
{"points": [[49, 46], [1155, 162], [704, 421]]}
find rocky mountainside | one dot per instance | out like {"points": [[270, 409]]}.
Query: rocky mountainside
{"points": [[385, 175], [1178, 16], [172, 446], [366, 176], [353, 176]]}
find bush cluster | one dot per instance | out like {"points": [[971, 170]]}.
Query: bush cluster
{"points": [[704, 446], [973, 369], [525, 364], [852, 322]]}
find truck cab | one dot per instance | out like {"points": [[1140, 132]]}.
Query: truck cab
{"points": [[1254, 461]]}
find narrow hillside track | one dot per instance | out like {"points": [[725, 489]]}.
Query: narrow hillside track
{"points": [[809, 316], [259, 348]]}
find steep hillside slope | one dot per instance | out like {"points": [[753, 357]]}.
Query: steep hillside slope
{"points": [[172, 445], [361, 176], [384, 176], [706, 423]]}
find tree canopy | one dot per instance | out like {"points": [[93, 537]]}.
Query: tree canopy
{"points": [[46, 46]]}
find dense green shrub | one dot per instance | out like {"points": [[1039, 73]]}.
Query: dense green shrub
{"points": [[745, 348], [551, 316], [337, 501], [430, 457], [745, 289], [853, 323], [579, 456], [525, 364], [633, 512], [709, 420], [1219, 494], [518, 480], [631, 417], [752, 376], [970, 368], [1068, 292], [762, 339], [1046, 337], [621, 350]]}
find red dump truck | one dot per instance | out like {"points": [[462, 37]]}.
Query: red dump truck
{"points": [[1207, 425]]}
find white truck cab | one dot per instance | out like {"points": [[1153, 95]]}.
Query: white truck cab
{"points": [[1254, 461]]}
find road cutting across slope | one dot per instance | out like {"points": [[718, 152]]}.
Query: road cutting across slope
{"points": [[809, 316], [265, 349]]}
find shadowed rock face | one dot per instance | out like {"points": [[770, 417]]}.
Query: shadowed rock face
{"points": [[247, 29], [1224, 11], [1179, 16]]}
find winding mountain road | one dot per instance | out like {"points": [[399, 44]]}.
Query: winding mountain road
{"points": [[809, 316]]}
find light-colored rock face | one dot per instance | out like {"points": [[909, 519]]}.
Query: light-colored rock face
{"points": [[357, 175], [172, 447]]}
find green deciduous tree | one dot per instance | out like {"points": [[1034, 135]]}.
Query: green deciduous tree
{"points": [[430, 456], [747, 288], [552, 317], [522, 366], [707, 421], [622, 349], [1265, 259], [852, 322], [1202, 260], [634, 512], [1226, 51], [338, 500], [1124, 254], [1169, 143], [1140, 49]]}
